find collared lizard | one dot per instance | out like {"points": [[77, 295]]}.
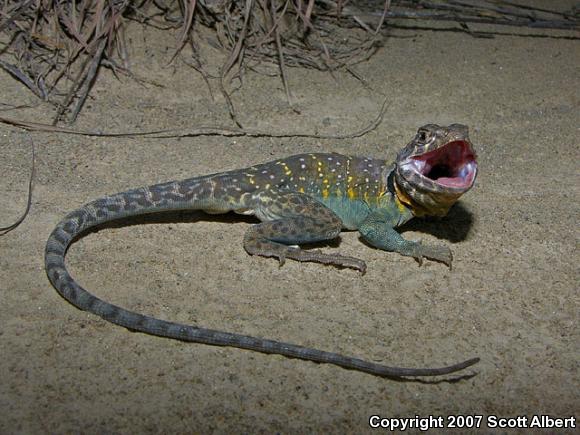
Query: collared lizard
{"points": [[300, 199]]}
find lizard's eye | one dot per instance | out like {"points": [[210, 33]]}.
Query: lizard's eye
{"points": [[422, 135]]}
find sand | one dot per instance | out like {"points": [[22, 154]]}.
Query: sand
{"points": [[511, 298]]}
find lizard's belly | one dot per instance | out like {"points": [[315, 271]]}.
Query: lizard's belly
{"points": [[245, 211], [352, 213]]}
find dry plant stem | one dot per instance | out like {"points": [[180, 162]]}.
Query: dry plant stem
{"points": [[201, 71], [385, 11], [308, 13], [100, 34], [16, 72], [188, 11], [452, 16], [15, 15], [57, 40], [73, 26], [235, 58], [532, 8], [89, 80], [121, 44], [197, 131], [266, 37], [7, 229], [281, 57], [308, 25], [499, 10], [71, 93]]}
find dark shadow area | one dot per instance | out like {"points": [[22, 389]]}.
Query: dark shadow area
{"points": [[454, 227], [477, 33], [451, 379]]}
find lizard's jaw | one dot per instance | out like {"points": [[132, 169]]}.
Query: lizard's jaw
{"points": [[435, 169], [452, 166]]}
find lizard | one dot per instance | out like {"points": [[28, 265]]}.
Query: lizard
{"points": [[298, 200]]}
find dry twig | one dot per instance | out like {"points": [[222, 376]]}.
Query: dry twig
{"points": [[7, 229], [55, 48]]}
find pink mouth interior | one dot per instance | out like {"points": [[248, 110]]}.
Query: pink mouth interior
{"points": [[452, 165]]}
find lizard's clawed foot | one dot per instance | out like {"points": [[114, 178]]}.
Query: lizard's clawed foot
{"points": [[282, 252], [439, 253]]}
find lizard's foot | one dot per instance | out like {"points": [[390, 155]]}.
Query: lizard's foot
{"points": [[439, 253], [383, 236], [282, 252]]}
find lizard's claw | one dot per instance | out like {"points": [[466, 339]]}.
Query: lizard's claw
{"points": [[419, 252], [435, 252]]}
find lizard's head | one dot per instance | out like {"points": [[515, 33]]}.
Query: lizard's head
{"points": [[435, 169]]}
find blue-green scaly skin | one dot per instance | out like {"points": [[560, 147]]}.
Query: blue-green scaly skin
{"points": [[301, 199], [350, 186]]}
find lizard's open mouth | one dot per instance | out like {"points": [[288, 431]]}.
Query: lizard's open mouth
{"points": [[451, 166]]}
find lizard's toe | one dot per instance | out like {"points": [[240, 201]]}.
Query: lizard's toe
{"points": [[438, 253], [281, 260]]}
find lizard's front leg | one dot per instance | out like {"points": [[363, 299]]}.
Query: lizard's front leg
{"points": [[383, 236], [293, 219]]}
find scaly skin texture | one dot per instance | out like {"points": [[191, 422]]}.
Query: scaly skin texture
{"points": [[301, 199]]}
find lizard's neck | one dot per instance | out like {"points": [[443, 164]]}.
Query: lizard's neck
{"points": [[423, 203]]}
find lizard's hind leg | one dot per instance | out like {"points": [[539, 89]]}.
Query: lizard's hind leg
{"points": [[292, 219]]}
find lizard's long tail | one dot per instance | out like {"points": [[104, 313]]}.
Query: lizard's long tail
{"points": [[182, 195]]}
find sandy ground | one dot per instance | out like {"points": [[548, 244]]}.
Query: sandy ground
{"points": [[511, 298]]}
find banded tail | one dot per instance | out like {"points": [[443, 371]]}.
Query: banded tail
{"points": [[192, 194]]}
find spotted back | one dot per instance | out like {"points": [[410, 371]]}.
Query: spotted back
{"points": [[344, 183]]}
